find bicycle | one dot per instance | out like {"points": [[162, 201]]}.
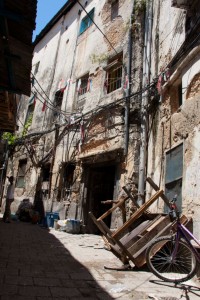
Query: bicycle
{"points": [[173, 258]]}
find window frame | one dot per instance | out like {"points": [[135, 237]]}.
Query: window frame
{"points": [[114, 9], [19, 176], [114, 74], [86, 22], [58, 100], [174, 174]]}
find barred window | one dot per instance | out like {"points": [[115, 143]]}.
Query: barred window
{"points": [[114, 74], [82, 85]]}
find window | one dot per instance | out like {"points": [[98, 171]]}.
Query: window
{"points": [[45, 179], [82, 85], [114, 74], [31, 107], [20, 183], [36, 67], [114, 9], [57, 104], [87, 21], [67, 181], [174, 173]]}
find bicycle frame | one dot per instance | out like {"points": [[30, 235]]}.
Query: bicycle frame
{"points": [[187, 235]]}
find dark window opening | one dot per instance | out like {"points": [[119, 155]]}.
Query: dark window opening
{"points": [[36, 68], [57, 105], [46, 173], [20, 182], [114, 74], [173, 175], [87, 21], [114, 9]]}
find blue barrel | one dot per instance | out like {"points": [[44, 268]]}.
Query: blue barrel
{"points": [[50, 217]]}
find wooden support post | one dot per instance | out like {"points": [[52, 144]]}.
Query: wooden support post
{"points": [[131, 197], [156, 188], [112, 209]]}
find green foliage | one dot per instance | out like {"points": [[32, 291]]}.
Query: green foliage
{"points": [[9, 137], [27, 124]]}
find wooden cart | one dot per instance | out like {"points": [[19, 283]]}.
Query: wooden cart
{"points": [[130, 241]]}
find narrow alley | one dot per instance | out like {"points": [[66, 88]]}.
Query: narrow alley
{"points": [[46, 264]]}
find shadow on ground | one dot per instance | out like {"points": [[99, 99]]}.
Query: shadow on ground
{"points": [[188, 290], [34, 265]]}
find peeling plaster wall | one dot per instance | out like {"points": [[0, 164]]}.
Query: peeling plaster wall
{"points": [[168, 34], [174, 123]]}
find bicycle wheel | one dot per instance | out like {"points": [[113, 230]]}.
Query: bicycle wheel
{"points": [[159, 260]]}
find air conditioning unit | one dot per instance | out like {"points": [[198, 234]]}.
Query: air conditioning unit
{"points": [[184, 4]]}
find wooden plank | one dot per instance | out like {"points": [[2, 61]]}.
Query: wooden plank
{"points": [[108, 212], [138, 213], [107, 232], [130, 196], [156, 188], [149, 235]]}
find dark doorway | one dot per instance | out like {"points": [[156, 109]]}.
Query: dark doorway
{"points": [[101, 182]]}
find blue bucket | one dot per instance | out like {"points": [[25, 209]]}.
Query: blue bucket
{"points": [[50, 217]]}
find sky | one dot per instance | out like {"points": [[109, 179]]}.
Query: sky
{"points": [[46, 9]]}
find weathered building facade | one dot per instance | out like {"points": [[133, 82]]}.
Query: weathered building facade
{"points": [[114, 100], [173, 124], [79, 148]]}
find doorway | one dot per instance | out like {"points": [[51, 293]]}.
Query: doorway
{"points": [[101, 183]]}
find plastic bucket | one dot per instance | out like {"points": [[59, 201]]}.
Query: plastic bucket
{"points": [[51, 217]]}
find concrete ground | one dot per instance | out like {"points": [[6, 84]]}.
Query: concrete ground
{"points": [[42, 264]]}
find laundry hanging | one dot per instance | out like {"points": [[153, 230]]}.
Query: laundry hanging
{"points": [[126, 83], [79, 86], [44, 106]]}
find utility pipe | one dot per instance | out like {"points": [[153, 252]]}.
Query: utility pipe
{"points": [[128, 90], [146, 80]]}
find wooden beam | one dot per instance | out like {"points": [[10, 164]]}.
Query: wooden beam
{"points": [[112, 209], [156, 188]]}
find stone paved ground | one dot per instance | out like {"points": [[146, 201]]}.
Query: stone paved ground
{"points": [[41, 264]]}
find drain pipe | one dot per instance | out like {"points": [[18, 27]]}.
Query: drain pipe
{"points": [[128, 90], [146, 80]]}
